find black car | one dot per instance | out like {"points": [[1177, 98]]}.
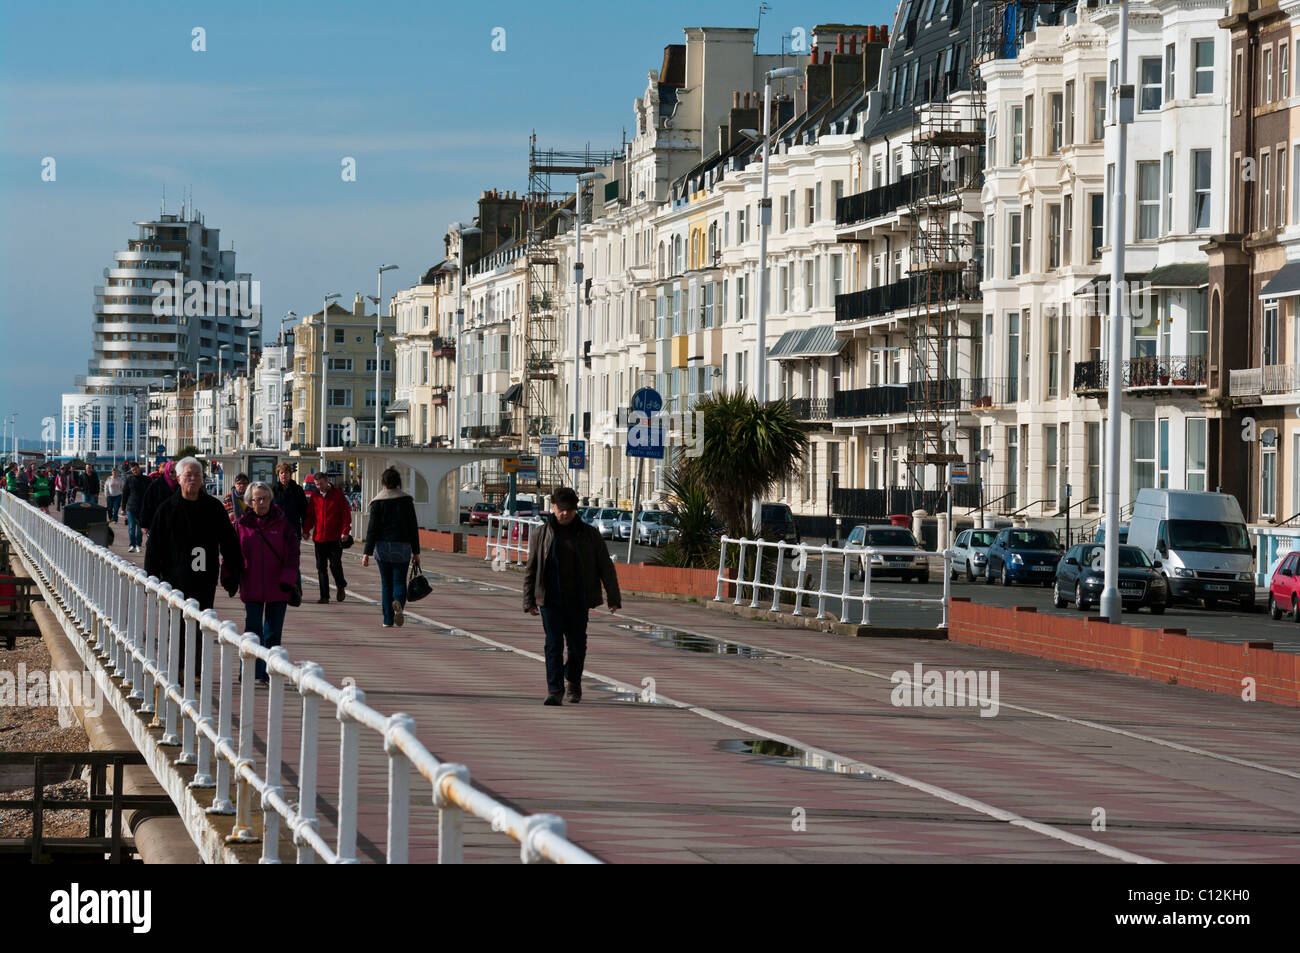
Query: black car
{"points": [[1023, 555], [1082, 574]]}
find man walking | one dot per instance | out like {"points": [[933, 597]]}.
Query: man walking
{"points": [[289, 496], [567, 563], [193, 545], [89, 485], [234, 501], [327, 521], [133, 493]]}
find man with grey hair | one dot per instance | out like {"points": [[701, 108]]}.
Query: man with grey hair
{"points": [[192, 543]]}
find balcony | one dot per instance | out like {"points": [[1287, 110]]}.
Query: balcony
{"points": [[444, 347], [1181, 372], [812, 408], [1259, 381], [542, 368], [503, 428], [962, 285], [915, 188], [439, 397]]}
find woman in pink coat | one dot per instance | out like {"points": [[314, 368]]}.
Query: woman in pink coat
{"points": [[270, 547]]}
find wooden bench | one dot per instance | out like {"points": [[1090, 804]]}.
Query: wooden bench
{"points": [[16, 597]]}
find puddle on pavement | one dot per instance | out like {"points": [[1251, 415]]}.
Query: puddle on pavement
{"points": [[769, 751], [616, 694], [687, 642]]}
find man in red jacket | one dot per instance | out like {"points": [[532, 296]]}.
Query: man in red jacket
{"points": [[328, 520]]}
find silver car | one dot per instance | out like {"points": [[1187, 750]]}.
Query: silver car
{"points": [[653, 527], [970, 553], [606, 520], [623, 524], [907, 562]]}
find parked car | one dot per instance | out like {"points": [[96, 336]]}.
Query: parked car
{"points": [[586, 513], [1023, 555], [906, 565], [970, 552], [1284, 587], [1081, 576], [623, 525], [606, 521], [1201, 539], [1100, 536], [479, 513], [652, 527], [776, 522]]}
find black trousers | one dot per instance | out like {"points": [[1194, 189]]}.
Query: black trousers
{"points": [[329, 558], [566, 623]]}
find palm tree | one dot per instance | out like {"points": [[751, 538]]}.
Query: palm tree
{"points": [[697, 545], [747, 448]]}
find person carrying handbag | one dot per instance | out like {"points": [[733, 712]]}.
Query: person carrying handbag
{"points": [[393, 538], [269, 583]]}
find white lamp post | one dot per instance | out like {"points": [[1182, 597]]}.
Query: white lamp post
{"points": [[379, 337], [324, 368], [216, 426], [1111, 603], [764, 224], [248, 380], [583, 179], [194, 423]]}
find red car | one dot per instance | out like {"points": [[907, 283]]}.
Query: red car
{"points": [[1284, 587], [479, 513]]}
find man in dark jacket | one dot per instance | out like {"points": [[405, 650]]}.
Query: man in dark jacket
{"points": [[133, 494], [89, 485], [192, 544], [289, 496], [160, 488], [567, 563]]}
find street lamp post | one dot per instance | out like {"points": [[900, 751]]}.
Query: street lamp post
{"points": [[379, 337], [461, 230], [583, 179], [324, 369], [216, 425], [764, 225], [248, 380], [1111, 602]]}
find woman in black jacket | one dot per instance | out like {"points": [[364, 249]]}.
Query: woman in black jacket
{"points": [[393, 537]]}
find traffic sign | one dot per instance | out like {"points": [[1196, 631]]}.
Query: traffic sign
{"points": [[645, 435], [510, 464], [647, 400], [550, 446], [577, 454], [527, 468], [958, 474]]}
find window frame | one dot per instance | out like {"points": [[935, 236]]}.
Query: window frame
{"points": [[1013, 244], [1149, 101], [1199, 71], [1170, 74], [1146, 203], [1056, 120], [1202, 198]]}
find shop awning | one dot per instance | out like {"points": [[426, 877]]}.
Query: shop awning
{"points": [[398, 407], [512, 393], [1190, 275], [820, 341], [1284, 284]]}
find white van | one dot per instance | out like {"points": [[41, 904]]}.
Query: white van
{"points": [[1199, 542]]}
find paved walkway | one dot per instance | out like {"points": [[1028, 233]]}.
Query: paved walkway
{"points": [[1180, 775]]}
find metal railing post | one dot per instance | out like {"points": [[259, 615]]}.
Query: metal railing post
{"points": [[740, 571], [192, 655], [242, 832], [722, 562], [844, 590], [866, 588], [534, 825], [758, 568], [221, 803], [274, 740], [349, 753], [777, 582], [821, 586], [451, 820], [173, 671], [399, 789], [307, 763], [947, 587], [203, 770]]}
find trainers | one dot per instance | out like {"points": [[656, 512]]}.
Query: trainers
{"points": [[399, 618], [555, 698], [343, 592], [575, 694], [388, 625]]}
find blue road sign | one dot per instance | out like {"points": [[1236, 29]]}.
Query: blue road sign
{"points": [[645, 435], [577, 454], [647, 401]]}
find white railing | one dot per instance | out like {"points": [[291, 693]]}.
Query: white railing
{"points": [[1269, 379], [508, 538], [799, 558], [132, 622]]}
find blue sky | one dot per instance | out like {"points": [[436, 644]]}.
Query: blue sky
{"points": [[258, 124]]}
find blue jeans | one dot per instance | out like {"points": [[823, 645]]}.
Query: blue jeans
{"points": [[392, 586], [133, 529], [113, 503], [266, 620]]}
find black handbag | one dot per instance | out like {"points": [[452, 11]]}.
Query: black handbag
{"points": [[417, 587]]}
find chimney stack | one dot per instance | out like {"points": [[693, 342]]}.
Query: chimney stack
{"points": [[839, 43]]}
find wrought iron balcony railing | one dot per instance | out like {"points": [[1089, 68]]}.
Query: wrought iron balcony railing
{"points": [[960, 285], [1186, 371]]}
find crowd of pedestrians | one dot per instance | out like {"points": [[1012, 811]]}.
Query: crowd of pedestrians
{"points": [[248, 542]]}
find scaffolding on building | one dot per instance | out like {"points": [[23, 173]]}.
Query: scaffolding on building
{"points": [[947, 144], [539, 409]]}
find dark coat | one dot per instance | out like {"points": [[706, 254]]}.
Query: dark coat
{"points": [[292, 502], [270, 547], [133, 493], [89, 483], [392, 520], [158, 492], [180, 527], [594, 566]]}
